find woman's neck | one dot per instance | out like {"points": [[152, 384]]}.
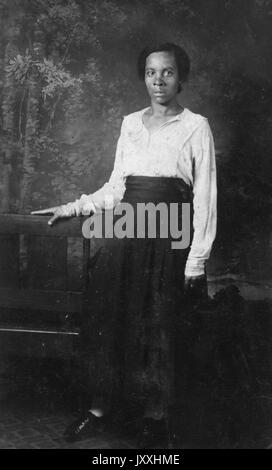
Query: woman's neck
{"points": [[159, 110]]}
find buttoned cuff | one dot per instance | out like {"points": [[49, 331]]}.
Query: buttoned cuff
{"points": [[86, 205], [82, 206], [195, 267]]}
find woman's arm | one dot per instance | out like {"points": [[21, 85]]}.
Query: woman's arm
{"points": [[204, 201], [111, 192], [108, 195]]}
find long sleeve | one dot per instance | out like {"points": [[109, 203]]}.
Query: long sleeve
{"points": [[110, 193], [204, 200]]}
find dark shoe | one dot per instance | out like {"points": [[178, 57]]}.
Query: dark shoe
{"points": [[154, 433], [86, 426]]}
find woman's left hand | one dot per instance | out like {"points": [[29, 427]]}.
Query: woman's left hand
{"points": [[196, 287]]}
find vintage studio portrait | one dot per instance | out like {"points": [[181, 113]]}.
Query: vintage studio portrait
{"points": [[135, 224]]}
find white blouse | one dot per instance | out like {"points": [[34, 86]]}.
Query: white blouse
{"points": [[182, 147]]}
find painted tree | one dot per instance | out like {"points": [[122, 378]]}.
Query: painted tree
{"points": [[8, 119], [31, 150], [52, 78]]}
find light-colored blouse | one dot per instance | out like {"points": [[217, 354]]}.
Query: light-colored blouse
{"points": [[182, 147]]}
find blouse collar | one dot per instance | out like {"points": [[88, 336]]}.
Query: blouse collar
{"points": [[190, 120], [177, 117]]}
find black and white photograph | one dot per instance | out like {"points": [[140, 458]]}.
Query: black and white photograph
{"points": [[135, 225]]}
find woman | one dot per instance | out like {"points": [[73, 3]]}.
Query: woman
{"points": [[165, 154]]}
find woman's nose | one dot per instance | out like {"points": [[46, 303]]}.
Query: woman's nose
{"points": [[158, 79]]}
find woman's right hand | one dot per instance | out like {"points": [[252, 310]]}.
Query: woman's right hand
{"points": [[59, 212]]}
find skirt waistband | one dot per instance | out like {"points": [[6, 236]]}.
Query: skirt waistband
{"points": [[157, 189]]}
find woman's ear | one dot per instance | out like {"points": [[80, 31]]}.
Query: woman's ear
{"points": [[180, 87]]}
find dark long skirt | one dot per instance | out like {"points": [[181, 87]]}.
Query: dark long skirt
{"points": [[132, 308]]}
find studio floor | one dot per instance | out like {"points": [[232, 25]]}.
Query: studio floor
{"points": [[25, 428], [225, 379], [22, 428]]}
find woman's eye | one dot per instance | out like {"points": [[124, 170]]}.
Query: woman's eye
{"points": [[168, 73], [150, 73]]}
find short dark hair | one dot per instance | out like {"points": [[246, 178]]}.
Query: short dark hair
{"points": [[181, 56]]}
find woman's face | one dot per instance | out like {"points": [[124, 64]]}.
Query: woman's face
{"points": [[161, 77]]}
